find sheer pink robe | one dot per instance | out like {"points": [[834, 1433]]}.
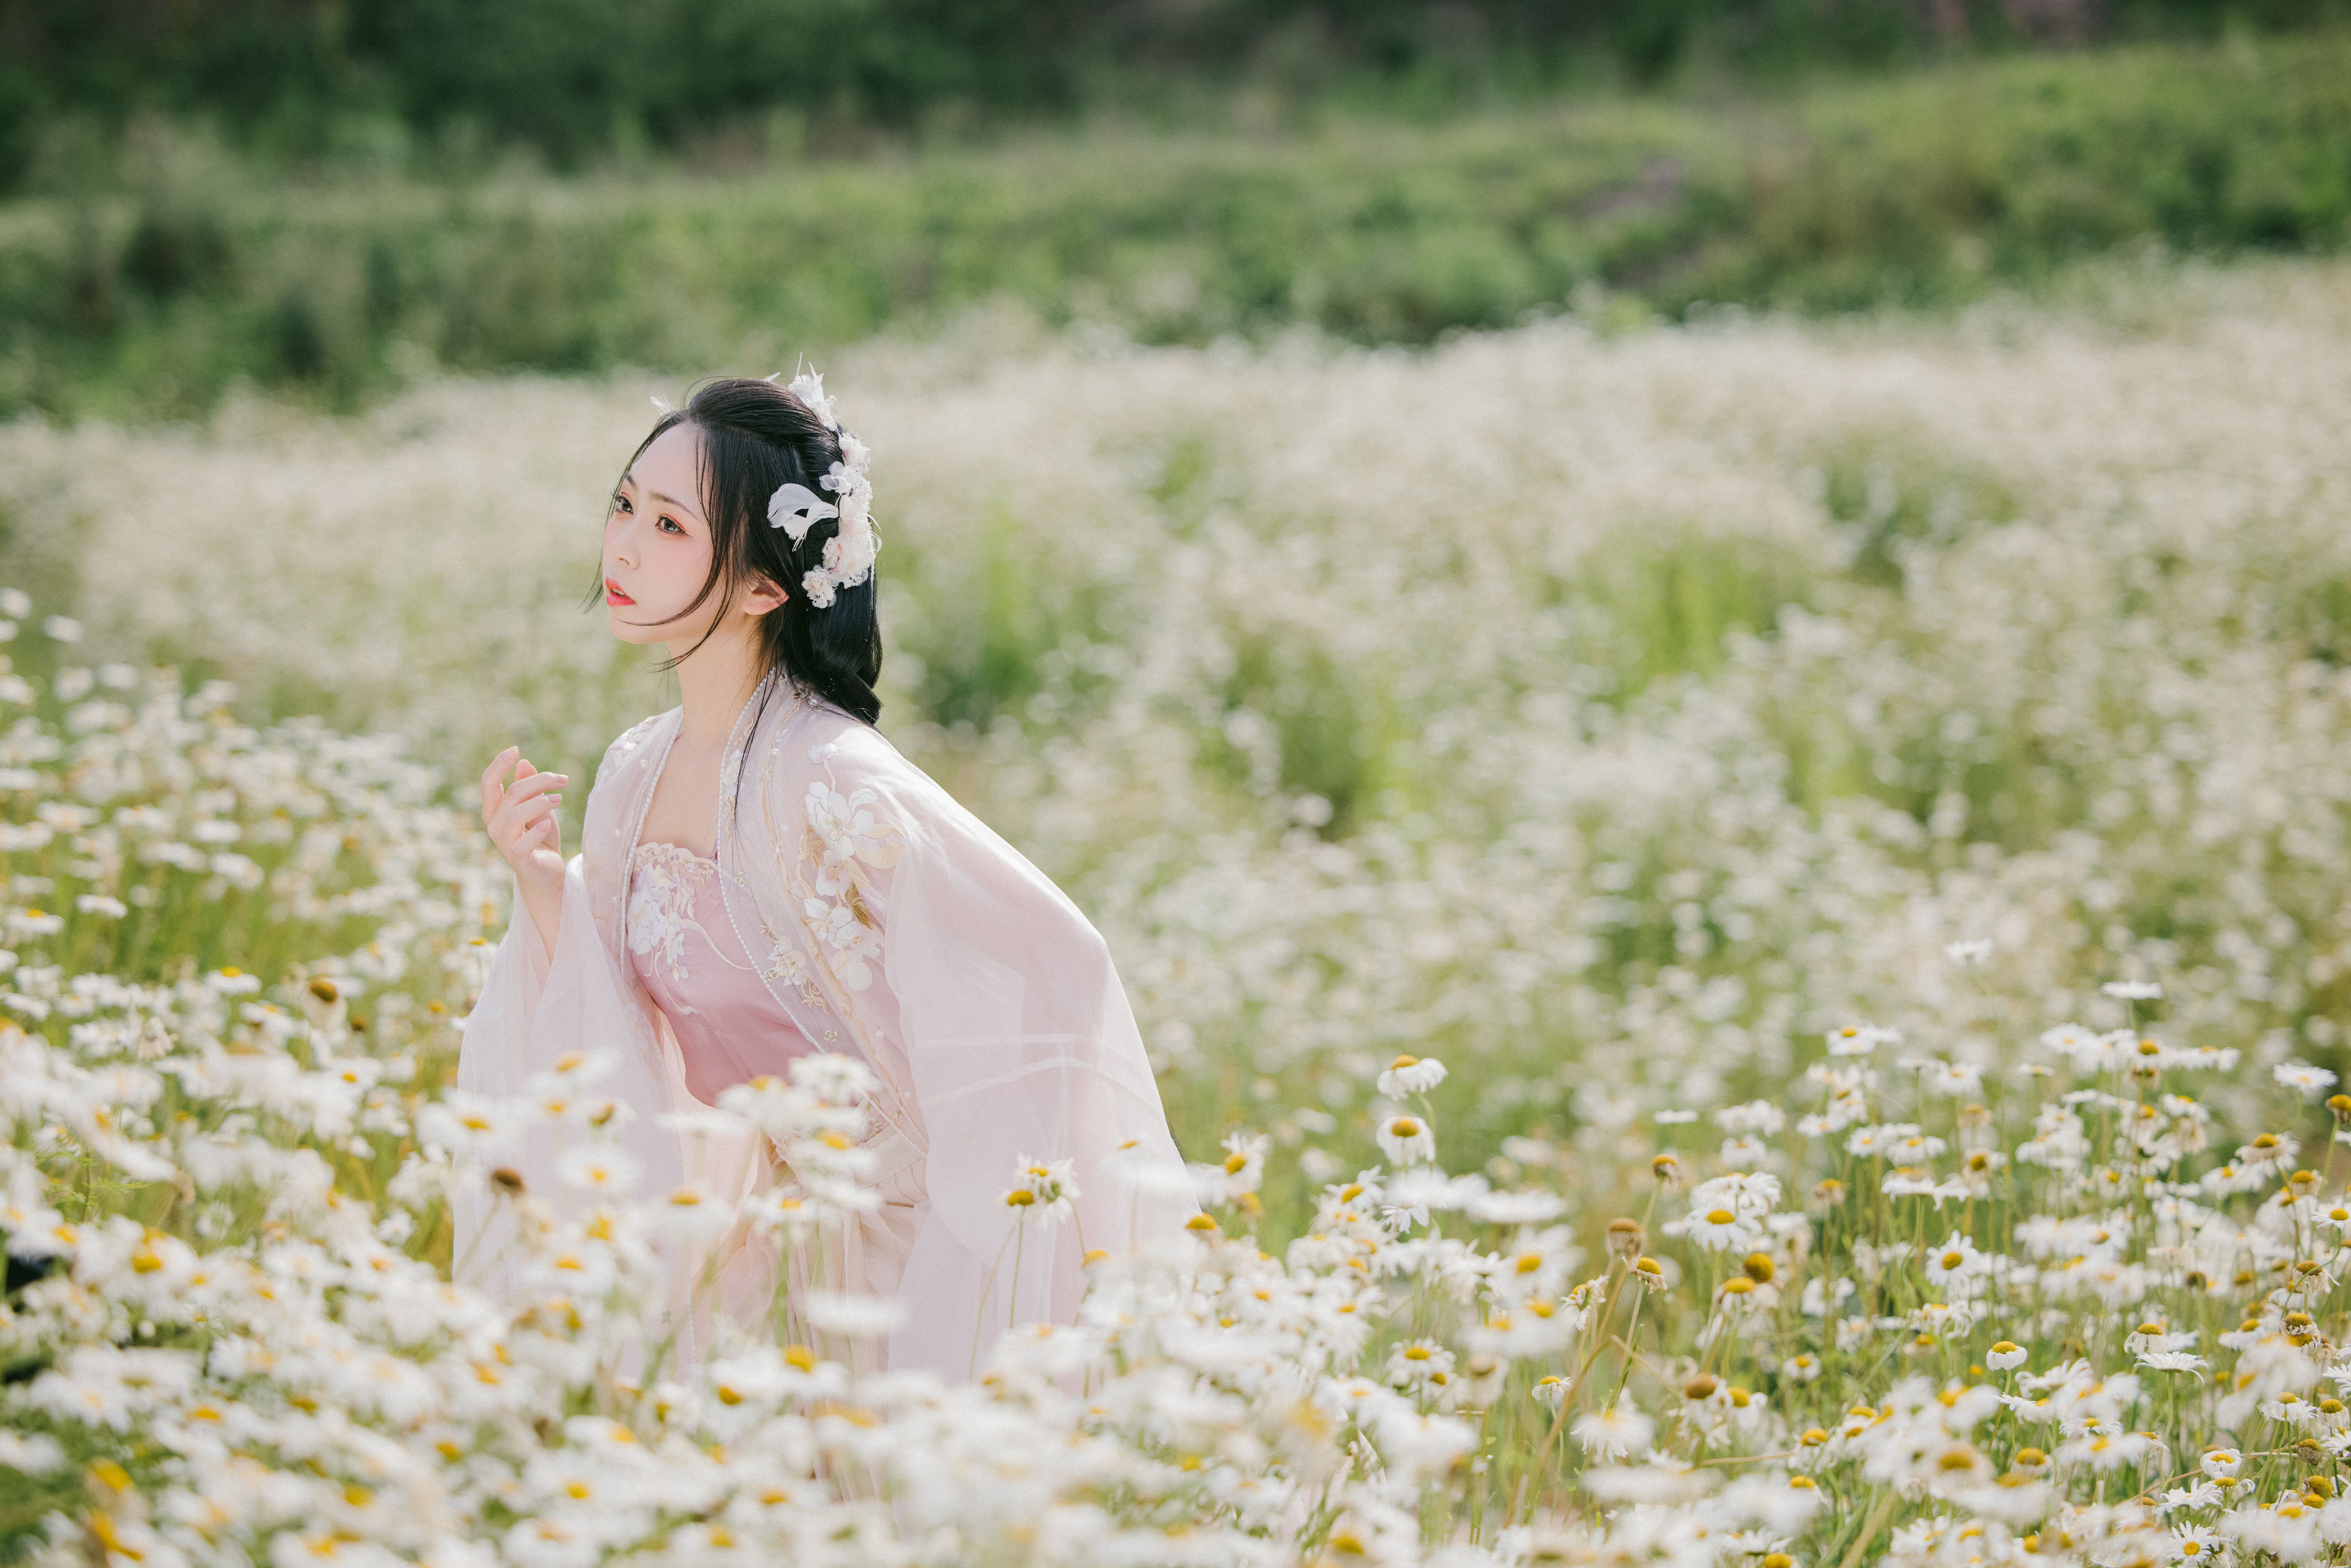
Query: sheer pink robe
{"points": [[730, 1029], [882, 919]]}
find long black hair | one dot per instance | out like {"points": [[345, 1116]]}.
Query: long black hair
{"points": [[756, 436]]}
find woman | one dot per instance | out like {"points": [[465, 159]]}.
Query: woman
{"points": [[763, 877]]}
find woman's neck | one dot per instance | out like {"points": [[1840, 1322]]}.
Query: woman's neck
{"points": [[713, 682]]}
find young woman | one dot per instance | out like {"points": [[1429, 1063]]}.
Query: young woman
{"points": [[763, 876]]}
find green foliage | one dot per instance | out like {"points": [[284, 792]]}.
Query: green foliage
{"points": [[1919, 190], [1296, 722], [1925, 189], [427, 81], [1665, 601], [992, 655], [1891, 500]]}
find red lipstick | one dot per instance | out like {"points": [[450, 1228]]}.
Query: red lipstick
{"points": [[612, 594]]}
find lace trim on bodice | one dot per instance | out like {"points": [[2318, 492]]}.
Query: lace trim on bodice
{"points": [[668, 881]]}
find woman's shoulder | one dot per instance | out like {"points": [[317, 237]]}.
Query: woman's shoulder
{"points": [[636, 738], [849, 745], [814, 732], [829, 748]]}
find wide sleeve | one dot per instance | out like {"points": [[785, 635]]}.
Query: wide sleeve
{"points": [[543, 1024], [1000, 1004]]}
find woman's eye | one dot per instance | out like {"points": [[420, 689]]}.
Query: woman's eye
{"points": [[620, 503], [671, 524]]}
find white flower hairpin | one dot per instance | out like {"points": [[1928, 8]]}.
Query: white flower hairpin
{"points": [[795, 508]]}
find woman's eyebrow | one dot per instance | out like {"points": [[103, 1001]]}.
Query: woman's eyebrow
{"points": [[631, 478]]}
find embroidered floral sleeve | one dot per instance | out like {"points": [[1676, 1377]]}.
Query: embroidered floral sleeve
{"points": [[847, 842]]}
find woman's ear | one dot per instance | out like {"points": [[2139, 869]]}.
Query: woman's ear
{"points": [[766, 594]]}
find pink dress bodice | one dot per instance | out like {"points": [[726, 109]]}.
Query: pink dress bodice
{"points": [[730, 1029]]}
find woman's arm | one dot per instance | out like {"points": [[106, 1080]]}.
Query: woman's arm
{"points": [[520, 818]]}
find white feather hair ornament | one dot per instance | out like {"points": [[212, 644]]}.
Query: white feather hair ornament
{"points": [[795, 508]]}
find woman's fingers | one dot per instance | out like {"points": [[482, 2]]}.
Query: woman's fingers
{"points": [[536, 784], [491, 777], [524, 801], [516, 832], [521, 807], [521, 815]]}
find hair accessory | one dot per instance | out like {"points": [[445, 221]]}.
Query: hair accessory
{"points": [[794, 508]]}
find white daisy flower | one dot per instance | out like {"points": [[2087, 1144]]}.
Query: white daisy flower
{"points": [[1406, 1140], [1409, 1075], [1615, 1431]]}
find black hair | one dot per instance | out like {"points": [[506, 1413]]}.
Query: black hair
{"points": [[756, 436]]}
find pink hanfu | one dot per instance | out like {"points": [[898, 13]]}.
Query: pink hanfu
{"points": [[854, 906]]}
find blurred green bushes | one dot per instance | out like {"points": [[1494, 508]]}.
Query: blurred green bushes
{"points": [[1918, 189], [577, 79]]}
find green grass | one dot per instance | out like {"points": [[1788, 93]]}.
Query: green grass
{"points": [[1919, 190]]}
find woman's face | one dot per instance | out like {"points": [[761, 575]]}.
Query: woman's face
{"points": [[657, 546]]}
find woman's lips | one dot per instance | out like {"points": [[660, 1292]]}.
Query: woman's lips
{"points": [[612, 594]]}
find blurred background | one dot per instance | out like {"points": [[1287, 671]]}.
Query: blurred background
{"points": [[322, 199], [1597, 541]]}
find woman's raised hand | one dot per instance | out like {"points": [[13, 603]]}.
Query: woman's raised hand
{"points": [[521, 821]]}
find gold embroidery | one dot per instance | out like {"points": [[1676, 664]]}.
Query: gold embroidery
{"points": [[845, 842]]}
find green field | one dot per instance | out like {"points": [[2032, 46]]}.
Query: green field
{"points": [[1923, 189]]}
